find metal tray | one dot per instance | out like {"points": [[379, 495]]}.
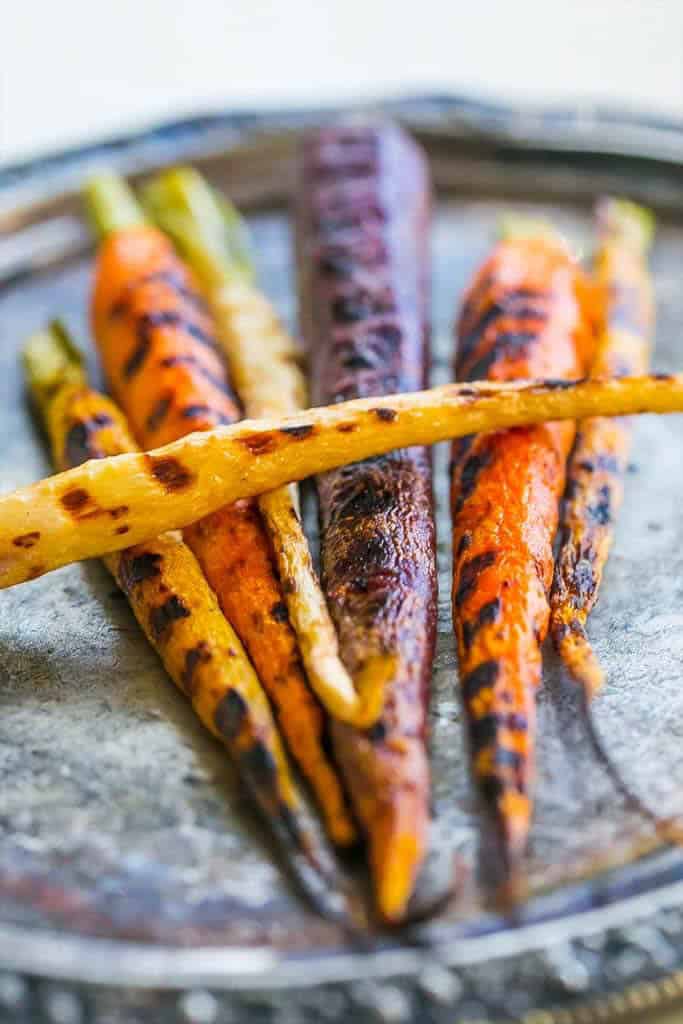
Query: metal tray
{"points": [[134, 885]]}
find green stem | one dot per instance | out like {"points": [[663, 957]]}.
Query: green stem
{"points": [[51, 361], [625, 222], [519, 226], [111, 205], [206, 229]]}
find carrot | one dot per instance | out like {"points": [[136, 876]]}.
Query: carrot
{"points": [[159, 351], [264, 365], [598, 464], [524, 314], [67, 515], [178, 612], [362, 238]]}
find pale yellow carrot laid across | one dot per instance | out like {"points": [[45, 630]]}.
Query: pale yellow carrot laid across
{"points": [[67, 517]]}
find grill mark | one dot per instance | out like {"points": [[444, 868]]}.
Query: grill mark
{"points": [[489, 612], [505, 307], [135, 569], [299, 433], [170, 473], [469, 575], [259, 444], [221, 384], [194, 657], [260, 764], [601, 512], [361, 305], [377, 733], [191, 412], [74, 501], [164, 615], [78, 443], [279, 611], [481, 678], [148, 322], [360, 498], [469, 475], [230, 715], [27, 540], [170, 277], [487, 615], [385, 415], [483, 731], [504, 345], [506, 758], [464, 543], [159, 412]]}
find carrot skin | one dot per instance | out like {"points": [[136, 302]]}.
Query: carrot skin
{"points": [[522, 315], [159, 352], [595, 478], [362, 228], [178, 613]]}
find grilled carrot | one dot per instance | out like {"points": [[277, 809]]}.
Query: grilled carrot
{"points": [[176, 609], [524, 314], [42, 527], [598, 464], [264, 366], [159, 351], [362, 237]]}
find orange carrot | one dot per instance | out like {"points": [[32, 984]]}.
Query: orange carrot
{"points": [[524, 315], [157, 342], [598, 464]]}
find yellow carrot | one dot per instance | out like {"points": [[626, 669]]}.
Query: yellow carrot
{"points": [[67, 517], [175, 607]]}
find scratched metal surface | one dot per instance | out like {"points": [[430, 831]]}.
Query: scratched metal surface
{"points": [[121, 818]]}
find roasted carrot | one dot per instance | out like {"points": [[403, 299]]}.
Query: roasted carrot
{"points": [[177, 610], [362, 238], [524, 314], [264, 364], [169, 487], [598, 464], [158, 346]]}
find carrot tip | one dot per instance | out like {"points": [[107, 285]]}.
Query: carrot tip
{"points": [[579, 659], [626, 222], [513, 890], [371, 685], [397, 867]]}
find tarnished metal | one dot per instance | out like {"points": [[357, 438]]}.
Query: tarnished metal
{"points": [[134, 882]]}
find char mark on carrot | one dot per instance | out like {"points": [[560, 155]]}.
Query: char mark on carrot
{"points": [[362, 247], [524, 315]]}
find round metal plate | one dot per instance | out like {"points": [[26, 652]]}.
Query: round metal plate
{"points": [[133, 881]]}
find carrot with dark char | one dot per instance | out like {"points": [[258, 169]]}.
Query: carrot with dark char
{"points": [[362, 238], [179, 614], [597, 467], [599, 460], [527, 313], [158, 346]]}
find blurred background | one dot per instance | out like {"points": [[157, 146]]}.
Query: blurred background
{"points": [[73, 70]]}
